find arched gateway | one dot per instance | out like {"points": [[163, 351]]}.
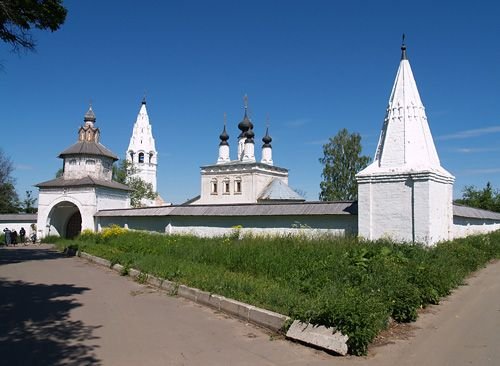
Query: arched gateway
{"points": [[68, 203], [64, 219]]}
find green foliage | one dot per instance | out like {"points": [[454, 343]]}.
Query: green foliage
{"points": [[28, 204], [342, 282], [341, 161], [9, 201], [60, 173], [18, 17], [124, 173], [486, 198], [140, 190]]}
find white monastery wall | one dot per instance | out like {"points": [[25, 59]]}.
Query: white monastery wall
{"points": [[465, 226], [16, 222], [210, 226]]}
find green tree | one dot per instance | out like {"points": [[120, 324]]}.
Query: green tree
{"points": [[9, 201], [124, 173], [18, 17], [341, 161], [28, 204], [486, 198], [60, 173]]}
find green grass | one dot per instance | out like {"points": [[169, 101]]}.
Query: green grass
{"points": [[353, 285]]}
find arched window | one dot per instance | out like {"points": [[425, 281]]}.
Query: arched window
{"points": [[213, 186], [150, 157], [225, 186], [237, 186], [141, 157], [132, 155]]}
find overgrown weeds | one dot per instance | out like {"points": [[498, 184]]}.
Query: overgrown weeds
{"points": [[353, 285]]}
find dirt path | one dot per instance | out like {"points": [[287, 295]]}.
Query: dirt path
{"points": [[64, 311]]}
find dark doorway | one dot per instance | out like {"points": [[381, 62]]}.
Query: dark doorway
{"points": [[74, 226]]}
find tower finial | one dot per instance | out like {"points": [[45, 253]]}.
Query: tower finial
{"points": [[89, 116], [144, 98], [224, 136], [403, 49]]}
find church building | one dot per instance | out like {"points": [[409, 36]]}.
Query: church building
{"points": [[67, 204], [245, 180]]}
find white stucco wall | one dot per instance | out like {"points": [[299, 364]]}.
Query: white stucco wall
{"points": [[385, 210], [406, 207], [206, 226], [21, 221], [80, 166], [465, 226]]}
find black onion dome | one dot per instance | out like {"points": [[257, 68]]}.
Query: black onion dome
{"points": [[249, 135], [245, 125], [267, 139], [89, 116], [224, 137]]}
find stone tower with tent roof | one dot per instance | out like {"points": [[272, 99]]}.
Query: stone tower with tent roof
{"points": [[67, 204], [405, 194]]}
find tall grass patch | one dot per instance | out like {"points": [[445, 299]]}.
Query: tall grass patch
{"points": [[352, 285]]}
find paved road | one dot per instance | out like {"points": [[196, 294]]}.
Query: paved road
{"points": [[65, 311]]}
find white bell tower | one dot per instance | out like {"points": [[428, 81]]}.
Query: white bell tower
{"points": [[141, 149]]}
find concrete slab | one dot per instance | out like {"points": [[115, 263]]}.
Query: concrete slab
{"points": [[319, 336]]}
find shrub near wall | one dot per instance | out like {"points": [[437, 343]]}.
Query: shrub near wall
{"points": [[341, 282]]}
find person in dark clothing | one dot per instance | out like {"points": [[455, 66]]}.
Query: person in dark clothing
{"points": [[22, 235], [13, 235]]}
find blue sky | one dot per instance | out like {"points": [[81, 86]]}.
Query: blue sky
{"points": [[313, 66]]}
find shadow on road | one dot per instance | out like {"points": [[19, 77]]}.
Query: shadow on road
{"points": [[19, 254], [35, 328]]}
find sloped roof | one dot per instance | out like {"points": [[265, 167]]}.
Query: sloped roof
{"points": [[18, 217], [474, 213], [243, 209], [278, 190], [81, 182], [88, 148]]}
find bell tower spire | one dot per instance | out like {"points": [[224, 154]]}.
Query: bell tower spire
{"points": [[141, 149]]}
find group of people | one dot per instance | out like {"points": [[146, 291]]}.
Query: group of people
{"points": [[11, 236]]}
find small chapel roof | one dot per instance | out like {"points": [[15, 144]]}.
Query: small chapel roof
{"points": [[88, 148]]}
